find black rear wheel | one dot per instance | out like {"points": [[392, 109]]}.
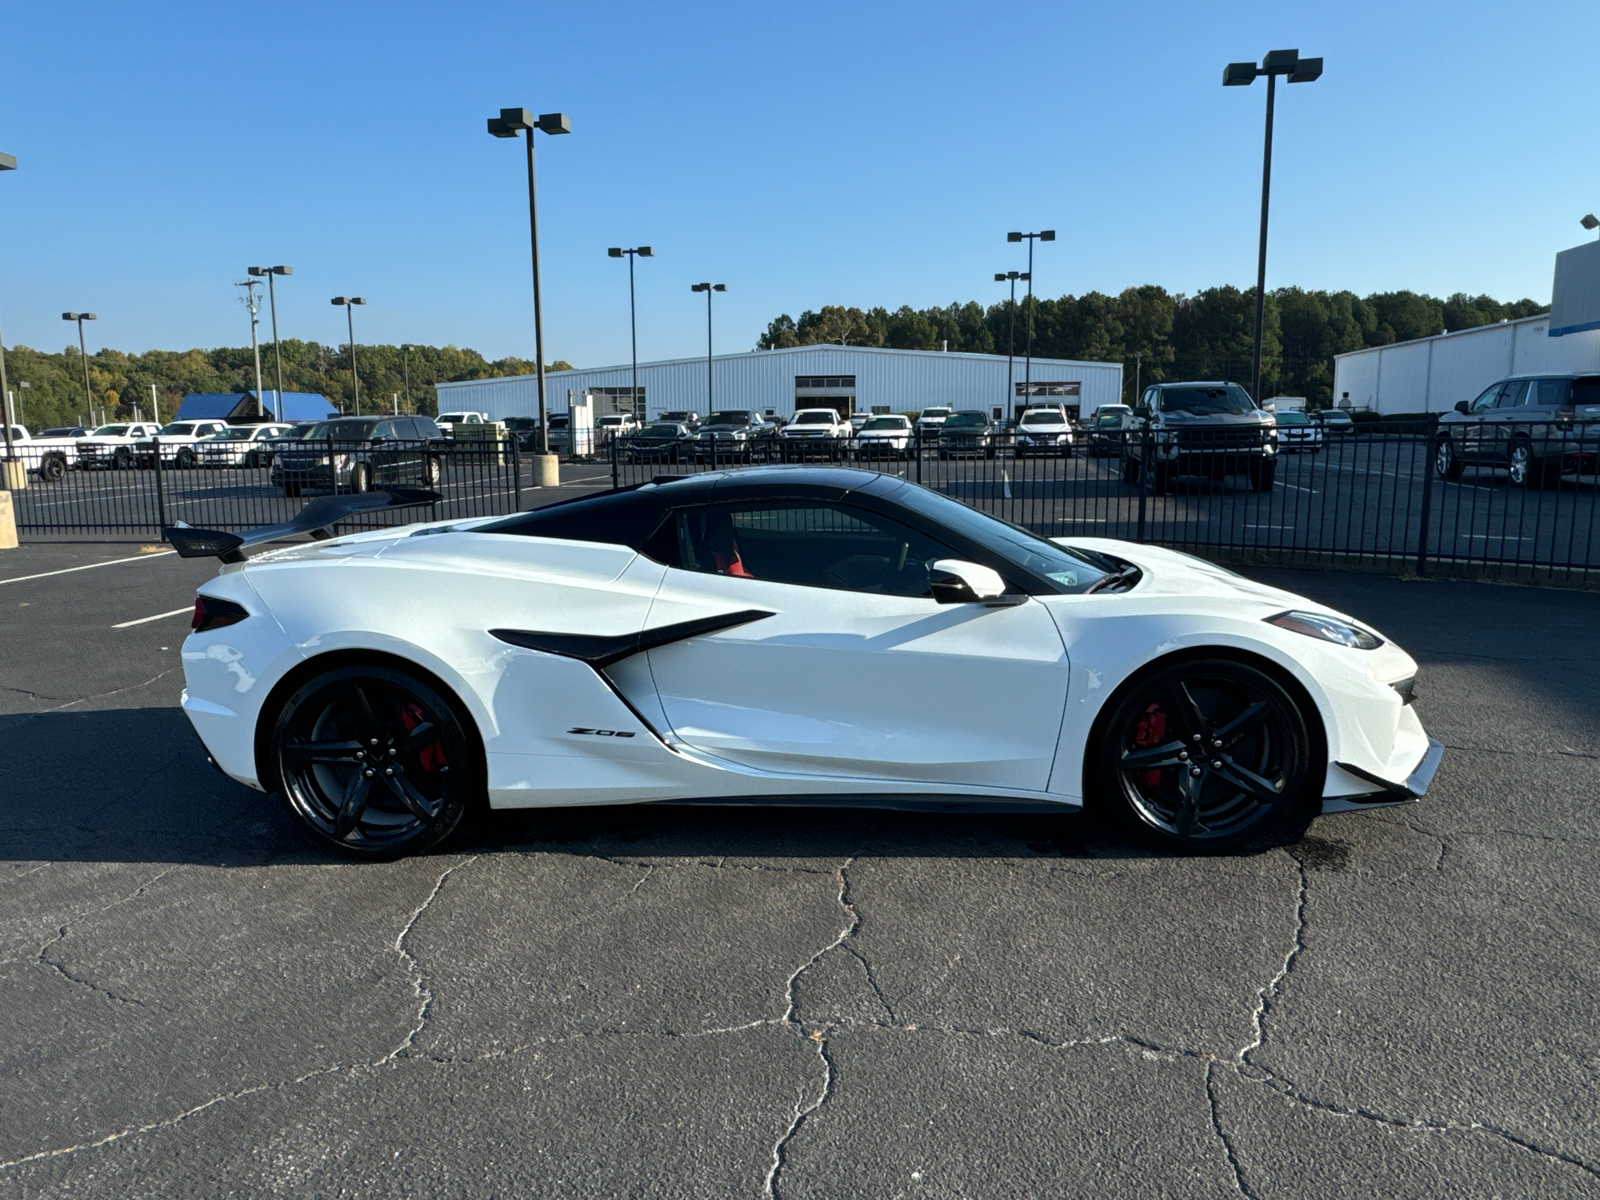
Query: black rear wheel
{"points": [[1208, 755], [374, 762], [1445, 463]]}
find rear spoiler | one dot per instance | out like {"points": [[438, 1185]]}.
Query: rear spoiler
{"points": [[317, 517]]}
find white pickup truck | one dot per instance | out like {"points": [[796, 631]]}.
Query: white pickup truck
{"points": [[48, 455], [178, 443], [112, 446]]}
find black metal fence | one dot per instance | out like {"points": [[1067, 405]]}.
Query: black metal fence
{"points": [[1513, 500], [1510, 499], [221, 486]]}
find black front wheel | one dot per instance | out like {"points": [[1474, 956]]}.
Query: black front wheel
{"points": [[375, 763], [1207, 755]]}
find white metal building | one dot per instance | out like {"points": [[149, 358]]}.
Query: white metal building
{"points": [[1431, 374], [850, 378]]}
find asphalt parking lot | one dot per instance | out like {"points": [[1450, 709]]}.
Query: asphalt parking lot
{"points": [[711, 1002]]}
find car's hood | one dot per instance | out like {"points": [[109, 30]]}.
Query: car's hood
{"points": [[1173, 573]]}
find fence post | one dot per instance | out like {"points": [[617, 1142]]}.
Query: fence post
{"points": [[333, 469], [161, 496], [614, 478], [916, 451], [1144, 473], [516, 473], [1427, 492]]}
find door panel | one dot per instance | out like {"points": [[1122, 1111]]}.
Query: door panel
{"points": [[849, 684]]}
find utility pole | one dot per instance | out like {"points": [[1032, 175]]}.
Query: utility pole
{"points": [[253, 303]]}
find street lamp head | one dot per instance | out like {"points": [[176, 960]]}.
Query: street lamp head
{"points": [[69, 316], [1306, 70], [699, 287], [1013, 237], [283, 270], [615, 252], [1049, 235], [256, 271], [1590, 221], [516, 119], [358, 299], [721, 287], [645, 252], [340, 300], [1238, 74], [499, 129], [554, 123], [1279, 62], [1000, 277], [1024, 274], [8, 162]]}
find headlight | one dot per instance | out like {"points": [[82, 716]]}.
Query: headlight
{"points": [[1327, 629]]}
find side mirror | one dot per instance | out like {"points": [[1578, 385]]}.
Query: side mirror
{"points": [[1462, 406], [957, 582]]}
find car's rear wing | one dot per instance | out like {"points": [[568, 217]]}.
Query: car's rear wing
{"points": [[317, 517]]}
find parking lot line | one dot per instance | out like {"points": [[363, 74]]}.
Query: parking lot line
{"points": [[187, 608], [90, 566]]}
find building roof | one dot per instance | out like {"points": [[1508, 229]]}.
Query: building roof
{"points": [[243, 406]]}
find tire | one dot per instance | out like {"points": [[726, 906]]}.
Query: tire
{"points": [[1265, 786], [1527, 470], [252, 460], [1163, 478], [1262, 475], [186, 459], [121, 459], [361, 478], [1130, 469], [53, 468], [433, 472], [1067, 452], [406, 793], [1446, 465]]}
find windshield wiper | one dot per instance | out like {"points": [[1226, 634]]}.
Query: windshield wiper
{"points": [[1127, 575]]}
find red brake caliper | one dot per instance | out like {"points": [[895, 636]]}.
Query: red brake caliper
{"points": [[1151, 731], [431, 756]]}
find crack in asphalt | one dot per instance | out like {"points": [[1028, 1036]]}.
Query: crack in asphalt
{"points": [[819, 1036], [1228, 1150], [24, 718], [61, 936], [419, 981], [1266, 995]]}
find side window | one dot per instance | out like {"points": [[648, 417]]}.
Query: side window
{"points": [[1514, 394], [1551, 393], [426, 428], [384, 429], [1486, 401], [806, 544]]}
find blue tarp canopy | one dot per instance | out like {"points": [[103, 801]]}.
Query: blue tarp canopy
{"points": [[243, 406]]}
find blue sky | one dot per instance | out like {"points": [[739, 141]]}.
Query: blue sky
{"points": [[804, 154]]}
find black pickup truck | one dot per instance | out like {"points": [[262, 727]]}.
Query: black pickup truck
{"points": [[1207, 429]]}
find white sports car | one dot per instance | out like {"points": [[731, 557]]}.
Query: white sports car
{"points": [[783, 635]]}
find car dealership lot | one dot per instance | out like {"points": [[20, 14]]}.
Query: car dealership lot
{"points": [[680, 1001]]}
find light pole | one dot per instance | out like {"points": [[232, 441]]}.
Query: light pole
{"points": [[1299, 70], [708, 288], [254, 305], [83, 353], [1046, 235], [7, 163], [633, 320], [1011, 334], [277, 348], [348, 302], [508, 124]]}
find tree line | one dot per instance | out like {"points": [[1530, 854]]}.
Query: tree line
{"points": [[120, 383], [1160, 335]]}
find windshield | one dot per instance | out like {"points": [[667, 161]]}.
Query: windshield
{"points": [[343, 431], [815, 418], [63, 432], [936, 412], [176, 429], [728, 418], [234, 435], [610, 421], [455, 418], [963, 419], [1292, 418], [1110, 422], [676, 416], [885, 423], [1043, 418], [1071, 571], [659, 431], [1207, 401], [111, 431]]}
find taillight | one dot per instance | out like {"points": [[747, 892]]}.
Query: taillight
{"points": [[212, 613]]}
